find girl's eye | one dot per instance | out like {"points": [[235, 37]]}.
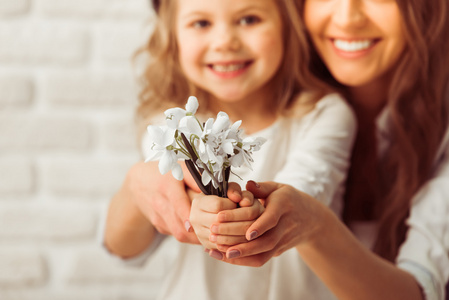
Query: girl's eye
{"points": [[201, 24], [249, 20]]}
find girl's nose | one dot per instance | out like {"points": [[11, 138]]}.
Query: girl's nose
{"points": [[349, 13], [226, 38]]}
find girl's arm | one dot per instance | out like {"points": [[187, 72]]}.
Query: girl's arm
{"points": [[351, 271], [135, 212]]}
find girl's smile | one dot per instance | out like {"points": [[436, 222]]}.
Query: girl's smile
{"points": [[227, 70]]}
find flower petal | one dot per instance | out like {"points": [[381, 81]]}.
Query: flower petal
{"points": [[222, 122], [173, 116], [192, 105], [177, 171], [166, 162]]}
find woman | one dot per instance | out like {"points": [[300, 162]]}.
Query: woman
{"points": [[390, 60]]}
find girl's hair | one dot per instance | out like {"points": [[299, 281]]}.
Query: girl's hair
{"points": [[164, 84], [418, 106]]}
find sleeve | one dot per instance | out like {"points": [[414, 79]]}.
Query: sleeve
{"points": [[319, 159], [425, 252]]}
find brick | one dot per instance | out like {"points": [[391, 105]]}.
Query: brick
{"points": [[108, 89], [119, 135], [99, 293], [94, 8], [43, 43], [13, 8], [16, 176], [58, 222], [34, 133], [119, 41], [90, 178], [21, 268], [92, 268], [15, 91]]}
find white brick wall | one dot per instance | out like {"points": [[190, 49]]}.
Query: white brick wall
{"points": [[67, 97]]}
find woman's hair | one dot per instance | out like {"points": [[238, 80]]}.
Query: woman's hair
{"points": [[418, 106], [164, 85]]}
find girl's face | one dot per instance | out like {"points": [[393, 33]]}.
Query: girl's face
{"points": [[358, 40], [229, 48]]}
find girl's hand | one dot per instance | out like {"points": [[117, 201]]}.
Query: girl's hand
{"points": [[290, 218], [208, 213], [204, 212], [228, 233]]}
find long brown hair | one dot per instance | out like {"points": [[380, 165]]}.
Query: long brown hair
{"points": [[418, 105], [164, 84]]}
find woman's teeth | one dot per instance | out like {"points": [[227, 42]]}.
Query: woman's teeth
{"points": [[228, 68], [352, 46]]}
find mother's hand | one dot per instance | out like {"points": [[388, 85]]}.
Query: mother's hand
{"points": [[164, 200], [290, 218]]}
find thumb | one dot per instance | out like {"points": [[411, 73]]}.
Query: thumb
{"points": [[262, 189], [188, 179]]}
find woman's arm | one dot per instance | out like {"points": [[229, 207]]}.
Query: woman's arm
{"points": [[349, 270], [146, 203]]}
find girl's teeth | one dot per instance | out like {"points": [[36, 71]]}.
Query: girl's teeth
{"points": [[227, 68], [353, 45]]}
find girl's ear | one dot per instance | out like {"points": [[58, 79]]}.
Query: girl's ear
{"points": [[156, 4]]}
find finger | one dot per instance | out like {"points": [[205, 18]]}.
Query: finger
{"points": [[213, 204], [199, 217], [180, 201], [232, 228], [234, 192], [228, 240], [265, 243], [216, 254], [257, 260], [267, 221], [188, 179], [240, 214], [262, 189], [247, 199]]}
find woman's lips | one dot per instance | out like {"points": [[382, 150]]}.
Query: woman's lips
{"points": [[353, 48]]}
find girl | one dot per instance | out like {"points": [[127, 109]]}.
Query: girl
{"points": [[391, 60], [237, 57]]}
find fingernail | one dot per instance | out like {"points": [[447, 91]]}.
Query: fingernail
{"points": [[252, 235], [214, 228], [216, 254], [221, 217], [255, 183], [233, 254], [187, 225], [213, 238], [206, 250]]}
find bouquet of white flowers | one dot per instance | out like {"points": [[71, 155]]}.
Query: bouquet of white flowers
{"points": [[209, 149]]}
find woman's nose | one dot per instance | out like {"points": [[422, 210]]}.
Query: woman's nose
{"points": [[226, 38], [349, 13]]}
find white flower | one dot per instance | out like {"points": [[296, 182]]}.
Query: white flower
{"points": [[245, 149], [174, 115], [211, 148], [163, 144]]}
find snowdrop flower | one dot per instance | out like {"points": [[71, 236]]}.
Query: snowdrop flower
{"points": [[210, 149], [174, 115], [163, 139]]}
